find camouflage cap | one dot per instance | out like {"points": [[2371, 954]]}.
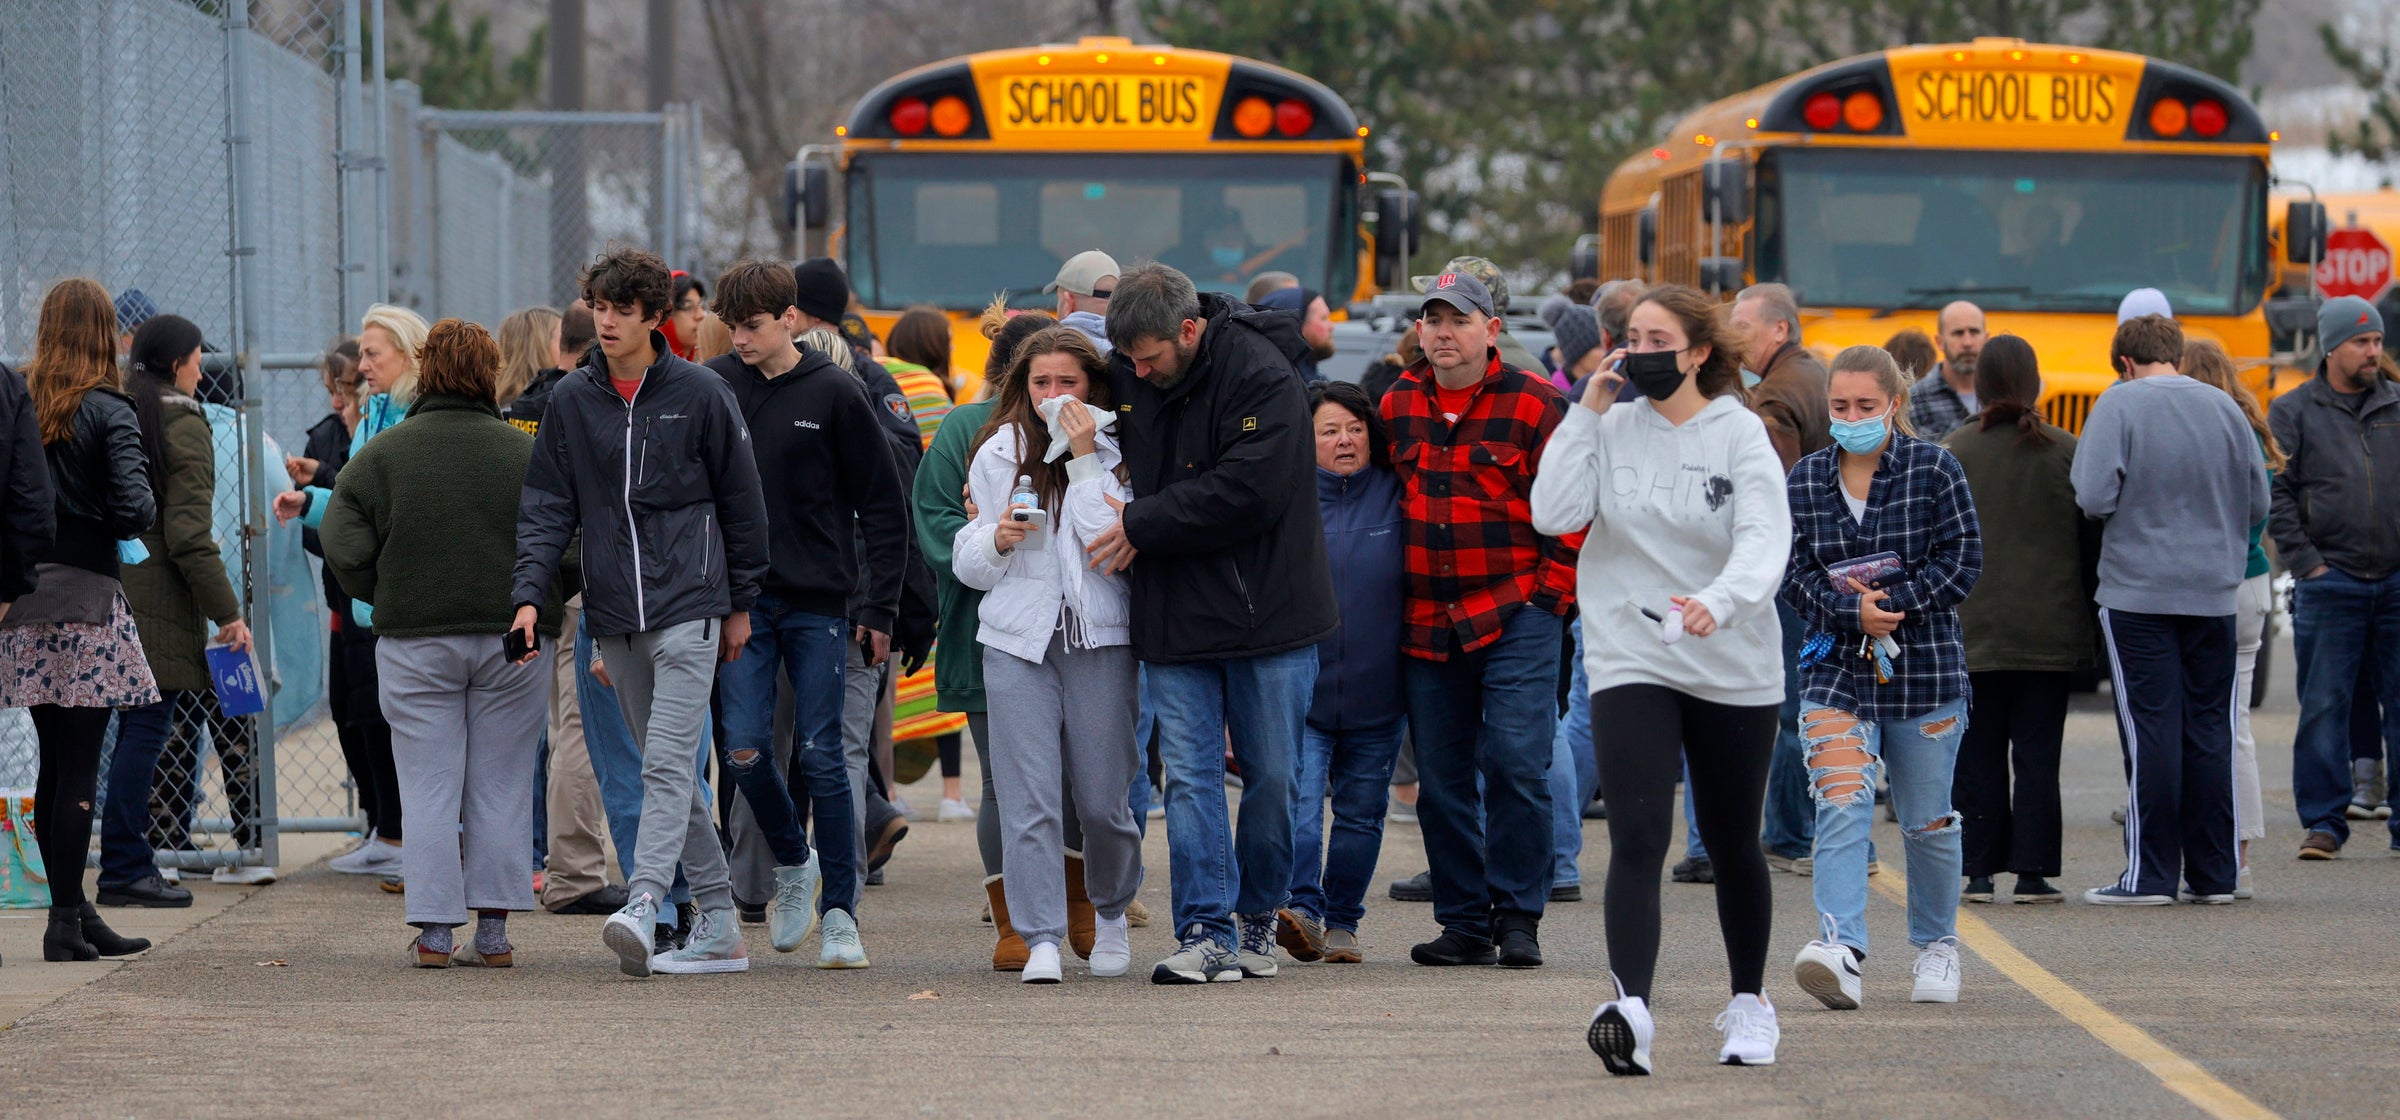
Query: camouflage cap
{"points": [[1479, 268]]}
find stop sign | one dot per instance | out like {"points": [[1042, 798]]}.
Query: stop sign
{"points": [[2357, 263]]}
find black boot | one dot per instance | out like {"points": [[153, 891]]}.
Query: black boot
{"points": [[1516, 937], [63, 941], [107, 940]]}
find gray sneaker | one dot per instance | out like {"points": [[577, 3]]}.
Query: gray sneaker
{"points": [[629, 933], [841, 948], [1200, 960], [714, 945], [792, 913], [1257, 954]]}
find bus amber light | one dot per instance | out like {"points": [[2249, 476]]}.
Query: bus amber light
{"points": [[1253, 117], [950, 116], [1822, 111], [2168, 117], [2209, 119], [1294, 118], [908, 116], [1863, 112]]}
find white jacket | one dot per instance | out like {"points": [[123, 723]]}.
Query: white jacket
{"points": [[1026, 589], [1695, 510]]}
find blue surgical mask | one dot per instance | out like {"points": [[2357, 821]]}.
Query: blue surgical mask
{"points": [[1860, 437], [1750, 380], [1228, 257]]}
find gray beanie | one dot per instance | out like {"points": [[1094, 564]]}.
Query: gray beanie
{"points": [[1578, 333], [2343, 318]]}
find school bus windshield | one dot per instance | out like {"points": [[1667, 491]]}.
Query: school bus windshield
{"points": [[951, 229], [2012, 231]]}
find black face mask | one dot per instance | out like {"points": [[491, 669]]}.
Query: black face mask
{"points": [[1653, 373]]}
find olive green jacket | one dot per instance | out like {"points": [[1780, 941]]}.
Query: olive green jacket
{"points": [[183, 586]]}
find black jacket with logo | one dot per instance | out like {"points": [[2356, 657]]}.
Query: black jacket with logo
{"points": [[828, 468], [664, 489], [1223, 466]]}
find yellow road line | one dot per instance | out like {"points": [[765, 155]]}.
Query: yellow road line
{"points": [[2179, 1074]]}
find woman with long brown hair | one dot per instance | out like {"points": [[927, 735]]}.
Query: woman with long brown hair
{"points": [[1057, 644], [69, 650]]}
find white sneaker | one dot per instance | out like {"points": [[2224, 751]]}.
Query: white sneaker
{"points": [[1937, 973], [243, 876], [1828, 970], [371, 858], [1751, 1033], [838, 946], [171, 874], [1620, 1034], [1112, 948], [901, 805], [2242, 887], [955, 810], [1041, 964], [629, 933]]}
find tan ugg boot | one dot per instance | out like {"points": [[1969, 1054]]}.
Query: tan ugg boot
{"points": [[1009, 955], [1083, 922]]}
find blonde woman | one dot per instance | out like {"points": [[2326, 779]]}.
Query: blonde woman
{"points": [[388, 340], [528, 347]]}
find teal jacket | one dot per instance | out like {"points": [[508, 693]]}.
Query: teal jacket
{"points": [[941, 512], [374, 418]]}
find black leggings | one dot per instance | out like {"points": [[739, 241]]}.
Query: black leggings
{"points": [[63, 791], [1641, 733]]}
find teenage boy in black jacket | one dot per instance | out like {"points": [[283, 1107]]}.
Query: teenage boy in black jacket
{"points": [[646, 455], [1230, 594], [830, 471]]}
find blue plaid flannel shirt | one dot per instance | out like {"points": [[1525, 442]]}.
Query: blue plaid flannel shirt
{"points": [[1918, 509]]}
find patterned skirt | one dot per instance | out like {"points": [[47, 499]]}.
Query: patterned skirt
{"points": [[76, 664]]}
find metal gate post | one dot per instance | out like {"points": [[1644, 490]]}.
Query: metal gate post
{"points": [[244, 250]]}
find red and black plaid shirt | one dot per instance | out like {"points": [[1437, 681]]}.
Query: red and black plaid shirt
{"points": [[1466, 495]]}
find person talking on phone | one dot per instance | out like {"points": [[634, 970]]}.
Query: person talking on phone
{"points": [[422, 524], [1885, 546], [1683, 498]]}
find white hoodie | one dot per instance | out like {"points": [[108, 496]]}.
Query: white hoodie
{"points": [[1695, 511], [1026, 589]]}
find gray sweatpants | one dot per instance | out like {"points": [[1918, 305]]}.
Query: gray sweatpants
{"points": [[1043, 728], [662, 680], [466, 730]]}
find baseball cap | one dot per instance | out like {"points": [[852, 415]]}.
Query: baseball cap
{"points": [[2144, 301], [1480, 268], [1086, 274], [1461, 291]]}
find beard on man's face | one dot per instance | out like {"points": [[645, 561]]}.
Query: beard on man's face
{"points": [[1163, 378], [1321, 351]]}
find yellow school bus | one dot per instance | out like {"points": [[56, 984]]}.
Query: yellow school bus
{"points": [[2038, 182], [979, 175]]}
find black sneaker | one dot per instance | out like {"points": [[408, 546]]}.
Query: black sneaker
{"points": [[1695, 871], [150, 892], [1596, 811], [1570, 892], [1978, 889], [1454, 948], [1514, 937], [751, 915], [2034, 888], [1415, 888], [609, 899]]}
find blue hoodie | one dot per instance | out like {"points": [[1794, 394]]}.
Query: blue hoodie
{"points": [[1358, 667]]}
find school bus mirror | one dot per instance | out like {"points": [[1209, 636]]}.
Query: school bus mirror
{"points": [[1583, 262], [1645, 243], [1725, 189], [1398, 222], [2304, 228], [1721, 274], [2291, 323], [816, 196]]}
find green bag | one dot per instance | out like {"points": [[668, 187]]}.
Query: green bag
{"points": [[24, 882]]}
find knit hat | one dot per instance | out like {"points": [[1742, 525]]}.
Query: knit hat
{"points": [[133, 310], [1578, 333], [824, 291], [2343, 318], [2143, 301], [1552, 306]]}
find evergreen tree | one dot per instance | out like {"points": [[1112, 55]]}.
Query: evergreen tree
{"points": [[461, 68]]}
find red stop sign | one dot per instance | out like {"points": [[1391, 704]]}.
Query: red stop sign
{"points": [[2357, 263]]}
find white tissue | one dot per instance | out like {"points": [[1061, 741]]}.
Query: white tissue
{"points": [[1056, 406]]}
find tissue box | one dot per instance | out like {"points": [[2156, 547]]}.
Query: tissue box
{"points": [[239, 689]]}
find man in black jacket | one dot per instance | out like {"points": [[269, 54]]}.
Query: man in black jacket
{"points": [[814, 434], [1230, 594], [28, 521], [646, 455]]}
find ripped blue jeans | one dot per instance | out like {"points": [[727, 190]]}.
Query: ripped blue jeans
{"points": [[1844, 753]]}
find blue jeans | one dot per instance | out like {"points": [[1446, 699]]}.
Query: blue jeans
{"points": [[1920, 752], [125, 855], [1214, 872], [810, 650], [617, 764], [1493, 712], [2337, 622], [1355, 767], [1791, 819], [1574, 772]]}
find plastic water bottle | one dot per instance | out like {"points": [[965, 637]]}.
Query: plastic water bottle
{"points": [[1024, 495]]}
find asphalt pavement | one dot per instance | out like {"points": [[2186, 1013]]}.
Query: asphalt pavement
{"points": [[295, 1002]]}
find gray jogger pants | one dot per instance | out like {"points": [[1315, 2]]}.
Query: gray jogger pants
{"points": [[466, 729], [662, 679], [1072, 713]]}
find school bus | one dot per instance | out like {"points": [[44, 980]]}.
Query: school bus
{"points": [[974, 176], [2039, 182]]}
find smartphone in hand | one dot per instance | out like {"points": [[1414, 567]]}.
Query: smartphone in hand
{"points": [[514, 646]]}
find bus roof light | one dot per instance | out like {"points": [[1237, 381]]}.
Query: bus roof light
{"points": [[1362, 131], [1294, 117], [1101, 57], [951, 116], [1253, 117], [1752, 122], [2209, 118], [908, 116], [1822, 112], [2168, 118], [1863, 111], [1158, 60]]}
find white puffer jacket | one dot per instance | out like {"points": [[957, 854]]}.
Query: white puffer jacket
{"points": [[1026, 589]]}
